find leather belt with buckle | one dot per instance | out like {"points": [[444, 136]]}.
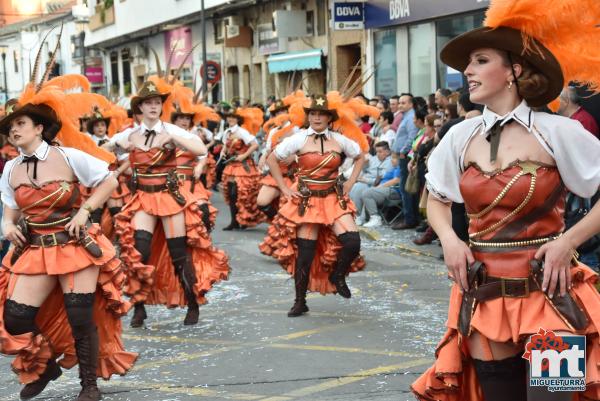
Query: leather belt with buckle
{"points": [[496, 287]]}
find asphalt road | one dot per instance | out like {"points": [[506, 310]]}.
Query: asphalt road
{"points": [[370, 347]]}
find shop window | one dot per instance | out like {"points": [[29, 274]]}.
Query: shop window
{"points": [[114, 72], [420, 58], [126, 64], [447, 29], [386, 77]]}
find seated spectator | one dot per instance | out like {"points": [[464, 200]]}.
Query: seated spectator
{"points": [[373, 198], [371, 175], [387, 134], [450, 112]]}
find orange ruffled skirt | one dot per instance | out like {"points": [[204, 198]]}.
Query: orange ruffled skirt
{"points": [[156, 282], [248, 185], [280, 241], [203, 195], [55, 340], [210, 171], [453, 378]]}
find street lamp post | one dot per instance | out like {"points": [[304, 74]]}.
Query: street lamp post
{"points": [[3, 50], [81, 25], [204, 67]]}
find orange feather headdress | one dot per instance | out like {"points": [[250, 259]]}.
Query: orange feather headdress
{"points": [[569, 29], [57, 95]]}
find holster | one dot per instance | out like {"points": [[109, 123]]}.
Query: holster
{"points": [[133, 182], [305, 192], [18, 251], [566, 307], [475, 277], [339, 190], [193, 184], [173, 187], [89, 244], [246, 165]]}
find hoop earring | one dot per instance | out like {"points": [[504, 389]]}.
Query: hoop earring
{"points": [[510, 84]]}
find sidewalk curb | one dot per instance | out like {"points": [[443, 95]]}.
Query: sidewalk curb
{"points": [[374, 235]]}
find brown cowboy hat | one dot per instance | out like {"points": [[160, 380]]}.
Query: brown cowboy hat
{"points": [[234, 113], [40, 112], [96, 116], [319, 103], [148, 91], [278, 106], [180, 113], [456, 54]]}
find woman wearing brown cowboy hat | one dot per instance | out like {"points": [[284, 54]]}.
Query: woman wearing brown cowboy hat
{"points": [[60, 285], [163, 217], [519, 277], [316, 239]]}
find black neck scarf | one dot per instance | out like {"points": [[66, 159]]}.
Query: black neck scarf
{"points": [[150, 135], [31, 159]]}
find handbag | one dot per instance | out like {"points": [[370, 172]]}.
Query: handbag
{"points": [[412, 182]]}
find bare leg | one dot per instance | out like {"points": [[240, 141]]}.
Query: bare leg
{"points": [[265, 199]]}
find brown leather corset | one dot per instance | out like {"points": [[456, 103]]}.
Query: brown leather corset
{"points": [[319, 171], [48, 208]]}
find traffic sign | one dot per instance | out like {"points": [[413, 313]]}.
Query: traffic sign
{"points": [[213, 72]]}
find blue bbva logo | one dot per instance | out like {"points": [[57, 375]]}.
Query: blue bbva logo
{"points": [[556, 362]]}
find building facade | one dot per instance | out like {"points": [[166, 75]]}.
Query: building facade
{"points": [[258, 48], [405, 38]]}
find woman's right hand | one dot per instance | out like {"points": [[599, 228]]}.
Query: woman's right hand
{"points": [[14, 234], [457, 256], [290, 193]]}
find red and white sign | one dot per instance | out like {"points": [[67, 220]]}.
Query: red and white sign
{"points": [[213, 72]]}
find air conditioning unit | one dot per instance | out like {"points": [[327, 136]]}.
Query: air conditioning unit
{"points": [[233, 31], [233, 20], [139, 52]]}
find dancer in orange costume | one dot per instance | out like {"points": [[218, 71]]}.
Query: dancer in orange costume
{"points": [[241, 178], [190, 167], [279, 127], [316, 239], [60, 286], [161, 211], [511, 167]]}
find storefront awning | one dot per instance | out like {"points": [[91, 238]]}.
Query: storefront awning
{"points": [[295, 61]]}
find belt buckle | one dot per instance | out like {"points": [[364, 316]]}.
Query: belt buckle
{"points": [[503, 287], [51, 244], [181, 177]]}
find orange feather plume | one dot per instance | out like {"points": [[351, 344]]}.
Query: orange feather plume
{"points": [[346, 123], [70, 82], [253, 118], [568, 28], [61, 103]]}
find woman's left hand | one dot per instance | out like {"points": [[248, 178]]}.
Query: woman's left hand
{"points": [[557, 256], [77, 223]]}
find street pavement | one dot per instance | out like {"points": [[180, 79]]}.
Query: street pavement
{"points": [[370, 347]]}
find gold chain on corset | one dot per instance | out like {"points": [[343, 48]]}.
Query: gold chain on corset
{"points": [[498, 198], [526, 168], [513, 244], [64, 188]]}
